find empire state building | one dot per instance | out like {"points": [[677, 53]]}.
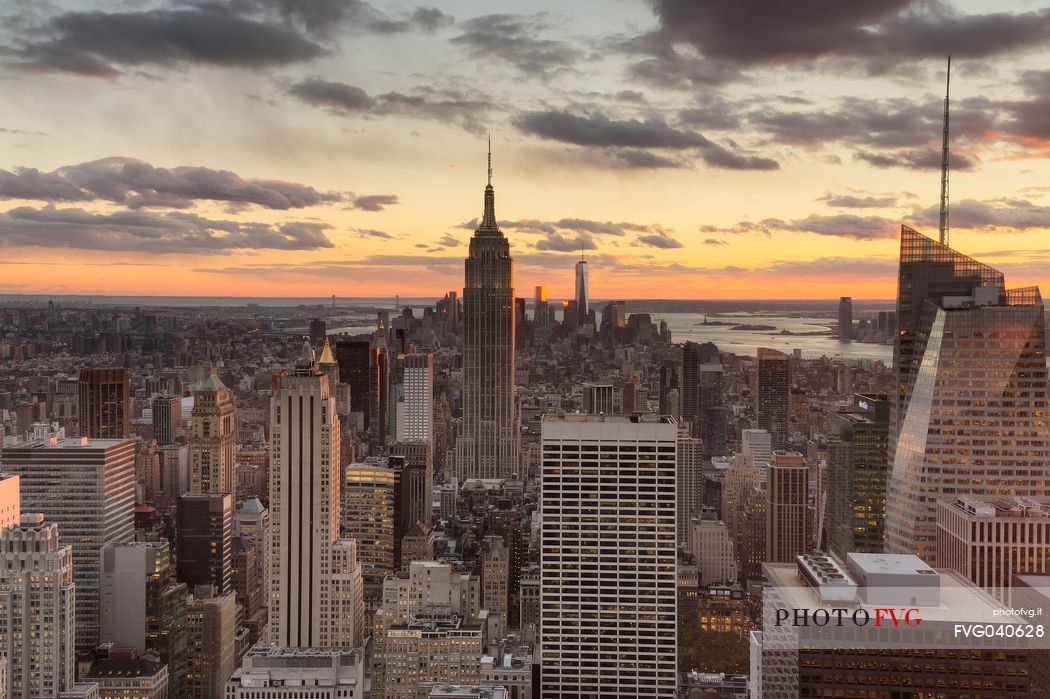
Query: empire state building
{"points": [[488, 443]]}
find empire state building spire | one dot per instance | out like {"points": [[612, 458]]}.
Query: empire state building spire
{"points": [[488, 219]]}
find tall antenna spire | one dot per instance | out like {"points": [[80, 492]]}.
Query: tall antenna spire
{"points": [[488, 219], [944, 161]]}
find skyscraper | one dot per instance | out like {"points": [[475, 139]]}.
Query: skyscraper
{"points": [[856, 476], [772, 395], [213, 438], [712, 409], [690, 487], [541, 310], [582, 294], [105, 403], [86, 487], [495, 575], [37, 596], [845, 329], [306, 608], [355, 360], [143, 606], [488, 444], [167, 419], [415, 414], [204, 543], [970, 412], [372, 507], [788, 530], [608, 612]]}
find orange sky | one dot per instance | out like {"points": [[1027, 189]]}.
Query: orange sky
{"points": [[350, 161]]}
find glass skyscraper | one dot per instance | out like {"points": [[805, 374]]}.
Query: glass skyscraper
{"points": [[970, 412]]}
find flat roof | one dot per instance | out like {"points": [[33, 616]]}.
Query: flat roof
{"points": [[890, 563], [960, 599]]}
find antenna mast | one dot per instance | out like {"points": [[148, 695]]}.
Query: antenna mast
{"points": [[944, 161]]}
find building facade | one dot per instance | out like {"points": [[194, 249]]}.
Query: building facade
{"points": [[608, 623], [86, 487]]}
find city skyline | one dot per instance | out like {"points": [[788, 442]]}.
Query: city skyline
{"points": [[647, 135]]}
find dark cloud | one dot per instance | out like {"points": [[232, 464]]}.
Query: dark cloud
{"points": [[373, 233], [100, 43], [1028, 118], [557, 242], [600, 227], [373, 202], [598, 130], [326, 18], [659, 239], [338, 97], [715, 241], [1000, 214], [431, 19], [671, 70], [882, 33], [449, 241], [140, 231], [838, 225], [138, 184], [635, 159], [918, 159], [858, 201], [718, 157], [462, 109], [515, 39]]}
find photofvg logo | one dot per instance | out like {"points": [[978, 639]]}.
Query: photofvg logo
{"points": [[878, 617]]}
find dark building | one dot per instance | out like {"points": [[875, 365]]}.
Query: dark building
{"points": [[856, 473], [416, 478], [167, 419], [204, 540], [712, 416], [105, 403], [355, 363], [772, 395], [845, 318], [318, 331]]}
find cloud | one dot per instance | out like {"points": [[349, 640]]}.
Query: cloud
{"points": [[338, 97], [600, 227], [837, 225], [598, 130], [373, 202], [138, 184], [514, 39], [139, 231], [466, 110], [1000, 214], [659, 239], [431, 19], [856, 201], [448, 240], [715, 241], [100, 44], [326, 18], [918, 159], [880, 33], [557, 242], [373, 233]]}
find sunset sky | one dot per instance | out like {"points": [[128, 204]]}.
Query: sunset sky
{"points": [[692, 148]]}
